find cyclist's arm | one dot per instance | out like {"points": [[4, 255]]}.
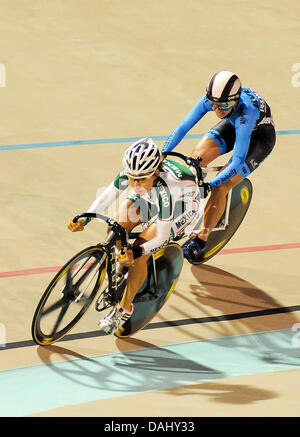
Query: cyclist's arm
{"points": [[199, 110], [110, 194], [237, 164], [106, 198], [99, 205], [161, 238]]}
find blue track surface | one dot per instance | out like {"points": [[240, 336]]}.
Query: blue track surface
{"points": [[38, 388]]}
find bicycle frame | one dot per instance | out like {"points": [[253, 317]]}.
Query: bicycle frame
{"points": [[225, 222], [116, 232], [200, 172]]}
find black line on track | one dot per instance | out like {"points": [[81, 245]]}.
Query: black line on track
{"points": [[158, 325]]}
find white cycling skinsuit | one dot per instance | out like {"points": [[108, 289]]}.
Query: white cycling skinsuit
{"points": [[173, 200]]}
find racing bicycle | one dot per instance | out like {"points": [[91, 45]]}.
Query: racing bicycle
{"points": [[237, 204], [76, 284], [94, 274]]}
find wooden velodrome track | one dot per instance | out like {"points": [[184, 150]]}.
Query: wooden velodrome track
{"points": [[84, 71]]}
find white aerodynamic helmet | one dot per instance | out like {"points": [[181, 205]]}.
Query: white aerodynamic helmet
{"points": [[142, 158], [224, 86]]}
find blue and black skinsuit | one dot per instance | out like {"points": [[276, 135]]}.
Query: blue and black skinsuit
{"points": [[248, 131]]}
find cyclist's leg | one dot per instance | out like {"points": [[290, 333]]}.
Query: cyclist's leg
{"points": [[132, 212], [138, 271], [261, 144], [215, 206], [217, 141], [129, 216], [207, 149]]}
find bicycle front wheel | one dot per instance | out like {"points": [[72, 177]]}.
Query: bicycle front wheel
{"points": [[69, 295]]}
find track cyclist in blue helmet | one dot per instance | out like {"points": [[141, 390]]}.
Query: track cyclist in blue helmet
{"points": [[164, 197], [246, 128]]}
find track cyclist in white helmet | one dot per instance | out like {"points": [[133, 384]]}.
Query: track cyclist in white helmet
{"points": [[246, 128], [162, 190]]}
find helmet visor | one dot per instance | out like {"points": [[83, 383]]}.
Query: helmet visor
{"points": [[141, 177], [224, 106]]}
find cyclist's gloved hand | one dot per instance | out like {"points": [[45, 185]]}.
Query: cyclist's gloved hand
{"points": [[126, 258], [76, 227], [205, 189]]}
